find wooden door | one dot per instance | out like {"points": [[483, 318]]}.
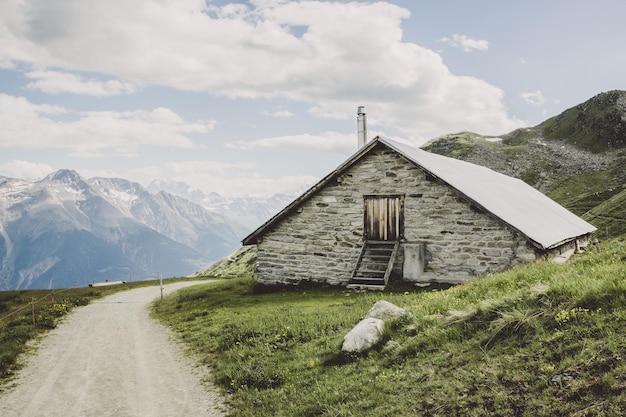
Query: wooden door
{"points": [[383, 218]]}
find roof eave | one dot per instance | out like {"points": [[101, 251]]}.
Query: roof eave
{"points": [[564, 241]]}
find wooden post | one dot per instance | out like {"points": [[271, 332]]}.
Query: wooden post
{"points": [[161, 280], [32, 302]]}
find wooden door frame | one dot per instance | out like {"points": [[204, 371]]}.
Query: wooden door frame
{"points": [[399, 218]]}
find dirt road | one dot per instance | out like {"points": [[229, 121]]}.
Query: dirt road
{"points": [[110, 358]]}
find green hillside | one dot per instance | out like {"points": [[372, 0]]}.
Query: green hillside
{"points": [[539, 340], [239, 264], [597, 124], [609, 217], [583, 192]]}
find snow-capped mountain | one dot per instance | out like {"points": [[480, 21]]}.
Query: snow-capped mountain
{"points": [[67, 231], [173, 216], [251, 212]]}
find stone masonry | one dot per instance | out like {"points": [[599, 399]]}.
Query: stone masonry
{"points": [[320, 240]]}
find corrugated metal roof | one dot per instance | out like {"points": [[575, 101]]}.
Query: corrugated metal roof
{"points": [[543, 221]]}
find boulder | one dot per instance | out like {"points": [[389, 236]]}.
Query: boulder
{"points": [[384, 310], [364, 335]]}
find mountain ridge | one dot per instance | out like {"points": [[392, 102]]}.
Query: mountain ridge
{"points": [[64, 231]]}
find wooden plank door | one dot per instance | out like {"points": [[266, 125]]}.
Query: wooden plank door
{"points": [[383, 218]]}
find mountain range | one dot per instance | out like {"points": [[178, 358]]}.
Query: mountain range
{"points": [[248, 211], [67, 231]]}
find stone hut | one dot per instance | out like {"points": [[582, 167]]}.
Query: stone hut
{"points": [[393, 210]]}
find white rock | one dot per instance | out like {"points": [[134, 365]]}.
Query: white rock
{"points": [[384, 310], [364, 335]]}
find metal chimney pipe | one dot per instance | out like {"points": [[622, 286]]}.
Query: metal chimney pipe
{"points": [[361, 126]]}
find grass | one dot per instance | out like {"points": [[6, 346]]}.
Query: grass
{"points": [[596, 125], [240, 263], [541, 340], [16, 317], [459, 145], [584, 192], [609, 217]]}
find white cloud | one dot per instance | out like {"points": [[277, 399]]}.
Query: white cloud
{"points": [[191, 168], [324, 142], [535, 98], [466, 43], [25, 169], [283, 114], [54, 82], [331, 55], [26, 125]]}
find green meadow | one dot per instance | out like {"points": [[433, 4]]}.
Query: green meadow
{"points": [[541, 340]]}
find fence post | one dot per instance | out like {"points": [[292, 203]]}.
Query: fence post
{"points": [[161, 280], [32, 302]]}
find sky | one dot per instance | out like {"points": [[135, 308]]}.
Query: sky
{"points": [[260, 97]]}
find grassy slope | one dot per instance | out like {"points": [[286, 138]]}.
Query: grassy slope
{"points": [[238, 264], [584, 192], [609, 217], [597, 124], [542, 340]]}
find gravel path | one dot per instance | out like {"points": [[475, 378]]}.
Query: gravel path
{"points": [[110, 358]]}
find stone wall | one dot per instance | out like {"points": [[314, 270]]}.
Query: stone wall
{"points": [[320, 241]]}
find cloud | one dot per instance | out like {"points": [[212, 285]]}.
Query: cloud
{"points": [[25, 169], [535, 98], [279, 114], [54, 82], [198, 167], [466, 43], [324, 142], [26, 125], [331, 55], [233, 179]]}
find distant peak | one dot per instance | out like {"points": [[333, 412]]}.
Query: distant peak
{"points": [[610, 99], [63, 173], [66, 176], [597, 125]]}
